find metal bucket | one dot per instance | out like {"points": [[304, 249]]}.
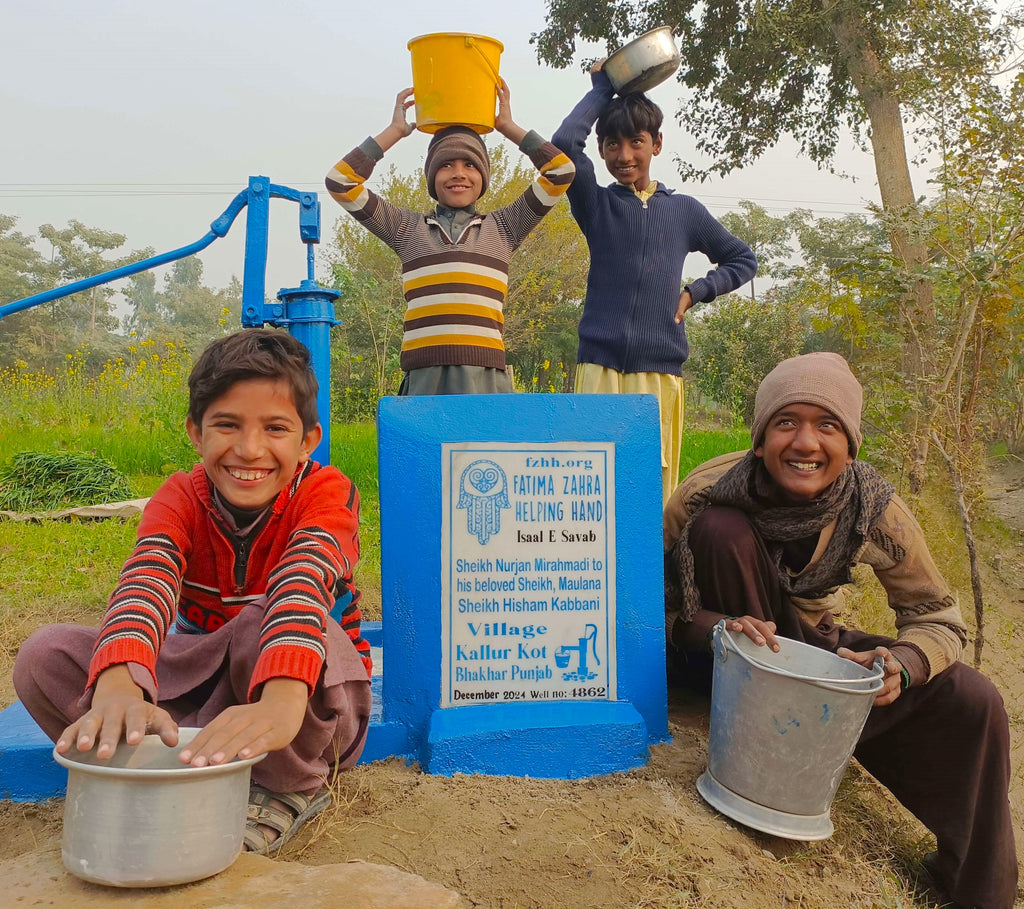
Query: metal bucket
{"points": [[644, 62], [144, 819], [783, 729]]}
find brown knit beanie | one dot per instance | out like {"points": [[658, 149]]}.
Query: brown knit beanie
{"points": [[456, 142], [824, 379]]}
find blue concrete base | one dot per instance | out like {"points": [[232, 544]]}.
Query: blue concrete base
{"points": [[516, 739], [28, 772], [384, 740], [419, 438]]}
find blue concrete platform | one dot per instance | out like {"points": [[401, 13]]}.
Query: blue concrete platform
{"points": [[610, 737], [28, 772]]}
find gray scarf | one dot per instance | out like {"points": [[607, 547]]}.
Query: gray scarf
{"points": [[856, 500]]}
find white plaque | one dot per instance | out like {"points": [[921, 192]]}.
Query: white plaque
{"points": [[527, 572]]}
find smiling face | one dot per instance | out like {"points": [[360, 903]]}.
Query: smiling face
{"points": [[458, 183], [251, 440], [628, 159], [805, 449]]}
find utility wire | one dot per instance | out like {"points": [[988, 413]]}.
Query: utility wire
{"points": [[150, 190]]}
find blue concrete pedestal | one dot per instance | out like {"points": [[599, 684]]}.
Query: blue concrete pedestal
{"points": [[605, 730], [430, 448], [561, 740]]}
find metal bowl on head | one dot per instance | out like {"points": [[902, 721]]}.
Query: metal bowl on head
{"points": [[144, 819], [644, 62]]}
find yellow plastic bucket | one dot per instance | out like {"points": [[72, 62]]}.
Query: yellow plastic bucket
{"points": [[455, 79]]}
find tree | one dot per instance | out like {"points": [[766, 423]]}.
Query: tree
{"points": [[23, 272], [196, 314], [843, 283], [547, 284], [78, 253], [760, 69], [736, 344], [768, 237], [186, 311], [371, 307], [142, 296]]}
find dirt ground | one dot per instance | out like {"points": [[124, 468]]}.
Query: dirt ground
{"points": [[644, 838]]}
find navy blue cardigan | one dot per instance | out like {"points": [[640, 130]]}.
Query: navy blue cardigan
{"points": [[637, 252]]}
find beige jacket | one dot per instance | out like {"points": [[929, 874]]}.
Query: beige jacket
{"points": [[927, 613]]}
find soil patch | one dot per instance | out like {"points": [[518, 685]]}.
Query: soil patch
{"points": [[638, 839]]}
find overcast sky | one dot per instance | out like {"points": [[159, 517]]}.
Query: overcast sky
{"points": [[147, 119]]}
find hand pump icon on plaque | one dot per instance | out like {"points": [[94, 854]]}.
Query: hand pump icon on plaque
{"points": [[563, 656]]}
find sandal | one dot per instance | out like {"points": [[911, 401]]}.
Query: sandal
{"points": [[287, 823]]}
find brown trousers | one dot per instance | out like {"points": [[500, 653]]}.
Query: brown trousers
{"points": [[941, 748], [201, 675]]}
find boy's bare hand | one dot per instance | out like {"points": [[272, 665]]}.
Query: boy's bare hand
{"points": [[893, 678], [503, 121], [685, 302], [397, 129], [118, 709], [249, 730], [504, 114], [598, 65], [402, 103]]}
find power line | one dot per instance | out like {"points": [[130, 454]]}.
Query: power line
{"points": [[112, 188], [122, 183], [720, 203]]}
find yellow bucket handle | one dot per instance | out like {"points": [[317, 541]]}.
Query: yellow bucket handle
{"points": [[471, 42]]}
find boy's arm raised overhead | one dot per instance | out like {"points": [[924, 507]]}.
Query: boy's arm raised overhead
{"points": [[557, 173], [345, 181], [572, 136], [503, 121]]}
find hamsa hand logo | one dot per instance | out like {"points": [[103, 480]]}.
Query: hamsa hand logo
{"points": [[483, 492]]}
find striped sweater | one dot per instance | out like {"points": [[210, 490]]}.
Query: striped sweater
{"points": [[188, 567], [454, 290]]}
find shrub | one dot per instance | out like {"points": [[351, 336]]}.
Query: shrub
{"points": [[45, 481]]}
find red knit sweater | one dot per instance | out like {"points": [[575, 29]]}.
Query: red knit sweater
{"points": [[188, 566]]}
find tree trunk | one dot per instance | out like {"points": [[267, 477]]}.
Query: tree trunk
{"points": [[968, 431], [876, 90], [972, 553]]}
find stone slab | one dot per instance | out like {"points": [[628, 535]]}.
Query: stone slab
{"points": [[40, 879]]}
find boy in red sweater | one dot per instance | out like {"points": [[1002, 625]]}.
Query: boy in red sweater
{"points": [[220, 619]]}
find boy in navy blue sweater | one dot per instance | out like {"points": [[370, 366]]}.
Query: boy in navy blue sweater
{"points": [[632, 338]]}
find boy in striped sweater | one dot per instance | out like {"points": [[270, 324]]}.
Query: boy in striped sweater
{"points": [[220, 619], [454, 259]]}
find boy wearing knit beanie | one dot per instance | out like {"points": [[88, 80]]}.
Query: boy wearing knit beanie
{"points": [[454, 259], [765, 540], [631, 336]]}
